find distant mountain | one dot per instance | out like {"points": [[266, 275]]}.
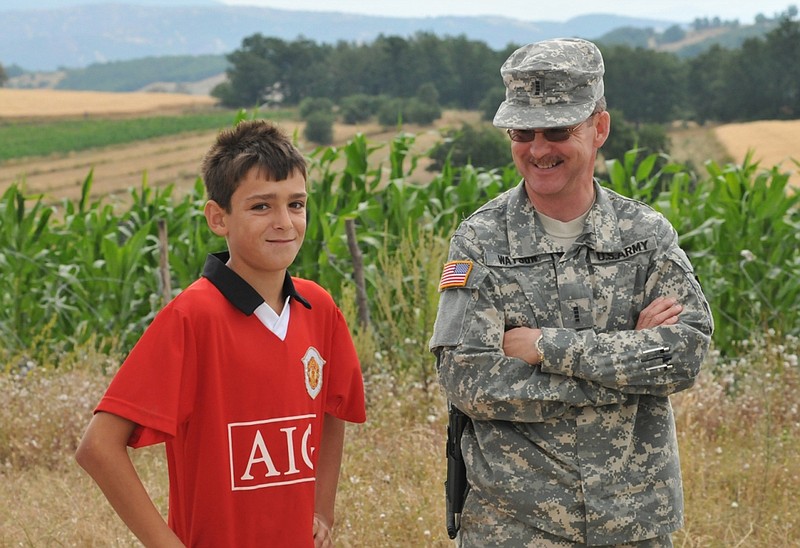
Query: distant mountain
{"points": [[48, 37]]}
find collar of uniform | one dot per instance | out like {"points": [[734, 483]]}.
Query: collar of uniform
{"points": [[601, 232], [233, 287], [602, 224], [520, 217]]}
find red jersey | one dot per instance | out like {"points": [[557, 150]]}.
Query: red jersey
{"points": [[240, 411]]}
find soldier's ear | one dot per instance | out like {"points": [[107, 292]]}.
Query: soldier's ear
{"points": [[602, 126]]}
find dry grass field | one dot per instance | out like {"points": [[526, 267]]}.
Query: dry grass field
{"points": [[174, 159], [738, 452], [38, 103], [772, 142]]}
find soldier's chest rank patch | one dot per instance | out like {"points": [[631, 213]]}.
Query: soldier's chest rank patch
{"points": [[312, 368], [455, 274], [627, 251]]}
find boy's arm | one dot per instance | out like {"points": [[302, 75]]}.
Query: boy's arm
{"points": [[328, 465], [103, 454]]}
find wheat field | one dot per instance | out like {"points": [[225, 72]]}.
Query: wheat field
{"points": [[50, 103], [772, 142]]}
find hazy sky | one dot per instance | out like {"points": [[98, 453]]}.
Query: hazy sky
{"points": [[672, 10]]}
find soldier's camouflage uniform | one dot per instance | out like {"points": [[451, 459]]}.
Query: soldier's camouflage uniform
{"points": [[582, 446]]}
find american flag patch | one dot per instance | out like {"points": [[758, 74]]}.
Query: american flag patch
{"points": [[455, 274]]}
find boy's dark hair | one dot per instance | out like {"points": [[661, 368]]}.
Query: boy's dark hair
{"points": [[252, 143]]}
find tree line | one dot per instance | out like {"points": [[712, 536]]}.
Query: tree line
{"points": [[271, 70], [759, 80]]}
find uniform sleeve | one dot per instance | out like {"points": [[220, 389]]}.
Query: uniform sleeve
{"points": [[476, 376], [154, 384], [625, 360], [345, 398]]}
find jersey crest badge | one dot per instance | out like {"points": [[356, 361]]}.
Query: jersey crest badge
{"points": [[312, 366], [455, 274]]}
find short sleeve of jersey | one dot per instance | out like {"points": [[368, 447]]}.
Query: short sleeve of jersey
{"points": [[345, 396], [151, 387]]}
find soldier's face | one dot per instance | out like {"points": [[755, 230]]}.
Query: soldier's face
{"points": [[560, 169]]}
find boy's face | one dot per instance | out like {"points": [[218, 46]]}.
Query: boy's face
{"points": [[265, 226]]}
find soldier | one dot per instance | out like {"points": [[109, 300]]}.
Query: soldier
{"points": [[568, 315]]}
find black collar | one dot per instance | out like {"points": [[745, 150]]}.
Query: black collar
{"points": [[240, 293]]}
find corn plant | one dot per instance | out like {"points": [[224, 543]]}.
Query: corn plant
{"points": [[81, 272], [739, 226], [24, 254], [754, 270]]}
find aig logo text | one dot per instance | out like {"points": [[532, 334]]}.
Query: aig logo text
{"points": [[271, 452]]}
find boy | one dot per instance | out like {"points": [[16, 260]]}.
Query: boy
{"points": [[247, 376]]}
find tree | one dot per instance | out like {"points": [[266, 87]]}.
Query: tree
{"points": [[630, 36], [310, 105], [674, 33], [269, 69], [424, 108], [491, 102], [396, 66], [624, 136], [357, 108], [3, 76], [483, 146], [756, 81], [416, 111], [351, 69], [761, 80], [304, 71], [649, 86], [254, 75], [782, 53], [317, 112], [319, 127], [390, 112], [469, 71], [707, 85]]}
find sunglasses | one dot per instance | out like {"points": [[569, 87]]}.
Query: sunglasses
{"points": [[552, 134]]}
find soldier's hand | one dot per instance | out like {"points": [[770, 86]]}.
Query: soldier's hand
{"points": [[520, 342], [662, 311]]}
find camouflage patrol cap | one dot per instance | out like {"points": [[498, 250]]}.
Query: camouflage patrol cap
{"points": [[552, 83]]}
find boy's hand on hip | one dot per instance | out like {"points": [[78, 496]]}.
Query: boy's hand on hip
{"points": [[322, 533]]}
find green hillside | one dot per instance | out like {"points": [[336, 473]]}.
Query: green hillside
{"points": [[137, 73]]}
